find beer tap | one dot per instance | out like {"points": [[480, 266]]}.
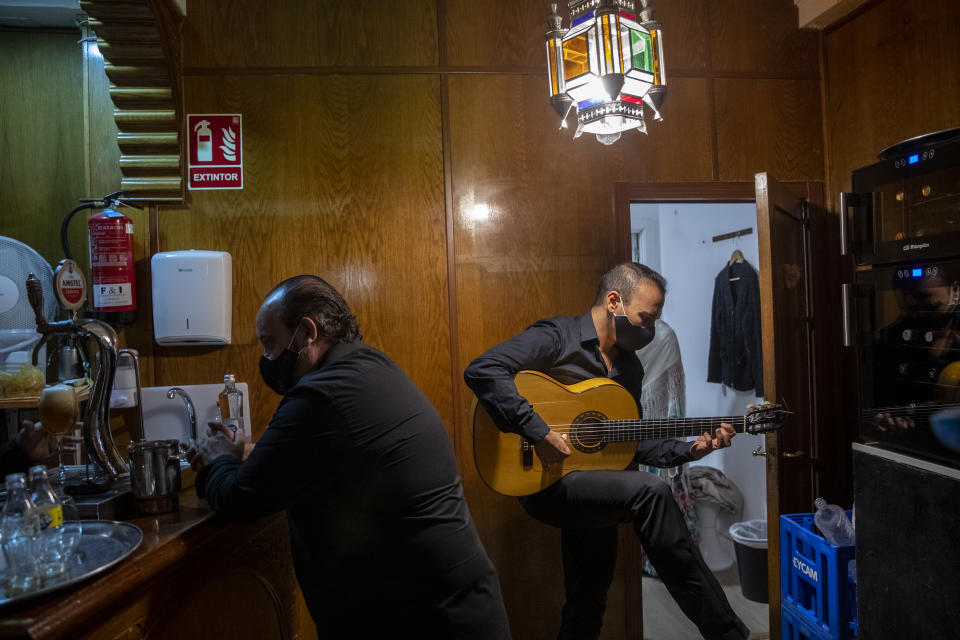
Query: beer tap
{"points": [[101, 338]]}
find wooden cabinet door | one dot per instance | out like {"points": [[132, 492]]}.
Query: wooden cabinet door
{"points": [[785, 295]]}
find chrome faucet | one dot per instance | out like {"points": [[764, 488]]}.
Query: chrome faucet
{"points": [[172, 393]]}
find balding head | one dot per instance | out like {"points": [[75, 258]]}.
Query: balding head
{"points": [[625, 278], [311, 297]]}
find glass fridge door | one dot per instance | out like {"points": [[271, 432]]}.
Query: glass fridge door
{"points": [[909, 335]]}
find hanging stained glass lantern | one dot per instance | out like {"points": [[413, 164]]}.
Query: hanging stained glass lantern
{"points": [[606, 66]]}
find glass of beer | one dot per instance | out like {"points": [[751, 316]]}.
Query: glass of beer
{"points": [[58, 414], [58, 408]]}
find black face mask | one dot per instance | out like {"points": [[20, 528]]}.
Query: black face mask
{"points": [[279, 373], [631, 337]]}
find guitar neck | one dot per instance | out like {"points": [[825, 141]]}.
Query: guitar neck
{"points": [[635, 430]]}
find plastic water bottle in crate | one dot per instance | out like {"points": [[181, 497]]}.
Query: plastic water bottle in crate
{"points": [[816, 590]]}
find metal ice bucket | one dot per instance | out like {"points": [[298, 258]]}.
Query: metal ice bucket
{"points": [[155, 475]]}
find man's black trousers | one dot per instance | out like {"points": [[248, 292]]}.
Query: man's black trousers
{"points": [[588, 506]]}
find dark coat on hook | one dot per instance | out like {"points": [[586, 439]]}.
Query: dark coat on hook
{"points": [[736, 355]]}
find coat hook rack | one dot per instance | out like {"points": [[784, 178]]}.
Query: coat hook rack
{"points": [[733, 234]]}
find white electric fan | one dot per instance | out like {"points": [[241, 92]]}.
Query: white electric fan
{"points": [[18, 325]]}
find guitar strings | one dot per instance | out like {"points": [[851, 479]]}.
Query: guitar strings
{"points": [[608, 428], [689, 422], [696, 426]]}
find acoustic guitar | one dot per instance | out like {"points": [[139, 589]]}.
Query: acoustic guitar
{"points": [[601, 421]]}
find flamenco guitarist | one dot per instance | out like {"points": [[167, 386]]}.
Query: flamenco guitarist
{"points": [[588, 505]]}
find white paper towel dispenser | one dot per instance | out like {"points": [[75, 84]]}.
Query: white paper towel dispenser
{"points": [[192, 297]]}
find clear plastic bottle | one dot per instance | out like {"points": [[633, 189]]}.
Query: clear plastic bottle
{"points": [[230, 404], [50, 556], [833, 523], [72, 525], [19, 526]]}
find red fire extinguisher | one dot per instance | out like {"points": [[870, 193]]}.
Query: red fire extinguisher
{"points": [[112, 275]]}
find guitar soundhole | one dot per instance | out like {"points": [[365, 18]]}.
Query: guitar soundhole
{"points": [[587, 432]]}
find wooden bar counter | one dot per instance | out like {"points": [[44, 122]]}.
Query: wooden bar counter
{"points": [[191, 577]]}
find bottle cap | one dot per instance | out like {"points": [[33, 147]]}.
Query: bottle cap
{"points": [[16, 478], [229, 378]]}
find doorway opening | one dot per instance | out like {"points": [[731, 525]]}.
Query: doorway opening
{"points": [[692, 243], [677, 240]]}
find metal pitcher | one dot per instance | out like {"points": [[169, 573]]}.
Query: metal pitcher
{"points": [[155, 475]]}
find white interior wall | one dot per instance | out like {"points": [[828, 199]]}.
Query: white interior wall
{"points": [[646, 218], [690, 260]]}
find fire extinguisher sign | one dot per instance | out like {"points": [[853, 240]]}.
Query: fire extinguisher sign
{"points": [[215, 151]]}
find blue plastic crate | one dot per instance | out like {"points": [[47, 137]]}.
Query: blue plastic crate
{"points": [[798, 626], [813, 578]]}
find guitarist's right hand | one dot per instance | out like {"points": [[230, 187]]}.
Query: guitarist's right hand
{"points": [[552, 448]]}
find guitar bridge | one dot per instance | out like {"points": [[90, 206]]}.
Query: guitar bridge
{"points": [[526, 454]]}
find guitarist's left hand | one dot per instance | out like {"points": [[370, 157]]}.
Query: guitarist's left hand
{"points": [[711, 442]]}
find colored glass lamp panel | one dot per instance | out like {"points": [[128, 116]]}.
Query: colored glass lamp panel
{"points": [[610, 55], [659, 73], [580, 68], [647, 67], [637, 49], [601, 45], [583, 18], [642, 51], [555, 66], [579, 55]]}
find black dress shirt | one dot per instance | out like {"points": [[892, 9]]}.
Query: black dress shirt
{"points": [[567, 349], [363, 465]]}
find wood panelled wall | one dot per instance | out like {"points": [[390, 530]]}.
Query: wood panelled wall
{"points": [[57, 138], [890, 72], [374, 128], [41, 135]]}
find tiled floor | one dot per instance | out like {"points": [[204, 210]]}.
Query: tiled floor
{"points": [[663, 620]]}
